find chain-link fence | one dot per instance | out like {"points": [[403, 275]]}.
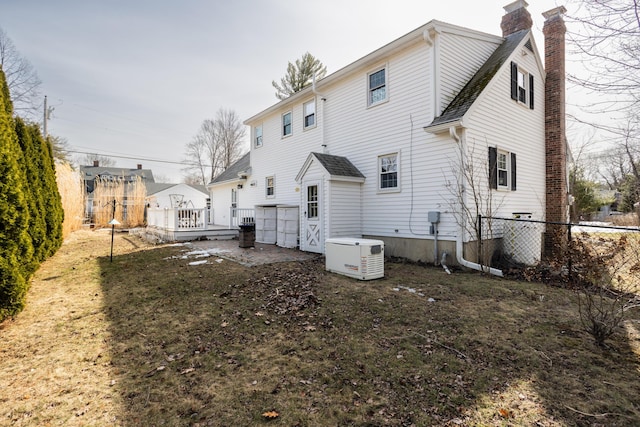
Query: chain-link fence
{"points": [[573, 254]]}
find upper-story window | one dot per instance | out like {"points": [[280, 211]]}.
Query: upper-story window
{"points": [[388, 172], [286, 124], [309, 111], [521, 85], [257, 136], [377, 86]]}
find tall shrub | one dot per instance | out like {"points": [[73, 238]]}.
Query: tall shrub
{"points": [[71, 189], [15, 244], [33, 194], [54, 214]]}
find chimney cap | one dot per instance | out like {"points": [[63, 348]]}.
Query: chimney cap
{"points": [[555, 12], [518, 4]]}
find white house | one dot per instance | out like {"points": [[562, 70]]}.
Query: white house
{"points": [[395, 145]]}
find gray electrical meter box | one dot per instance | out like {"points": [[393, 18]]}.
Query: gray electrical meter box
{"points": [[434, 216]]}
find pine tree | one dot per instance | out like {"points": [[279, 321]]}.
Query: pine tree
{"points": [[55, 213], [15, 244], [31, 165], [299, 76]]}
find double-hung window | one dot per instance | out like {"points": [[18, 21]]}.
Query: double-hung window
{"points": [[270, 186], [502, 169], [388, 172], [309, 112], [377, 87], [286, 124], [521, 86], [257, 136]]}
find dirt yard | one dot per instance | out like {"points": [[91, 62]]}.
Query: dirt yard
{"points": [[171, 336]]}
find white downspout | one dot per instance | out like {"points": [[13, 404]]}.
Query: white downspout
{"points": [[460, 237], [321, 116]]}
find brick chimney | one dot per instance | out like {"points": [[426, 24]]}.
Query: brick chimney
{"points": [[96, 163], [517, 18], [554, 31], [139, 166]]}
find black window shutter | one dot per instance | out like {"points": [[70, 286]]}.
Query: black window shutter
{"points": [[514, 81], [513, 171], [493, 167], [531, 91]]}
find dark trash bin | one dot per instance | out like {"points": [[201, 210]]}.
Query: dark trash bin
{"points": [[247, 236]]}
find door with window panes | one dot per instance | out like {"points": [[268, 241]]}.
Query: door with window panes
{"points": [[312, 233]]}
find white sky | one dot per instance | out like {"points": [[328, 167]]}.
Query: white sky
{"points": [[137, 77]]}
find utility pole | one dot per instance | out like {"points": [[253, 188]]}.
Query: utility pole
{"points": [[44, 126], [47, 115]]}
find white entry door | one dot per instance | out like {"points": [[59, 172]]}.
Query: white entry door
{"points": [[312, 233]]}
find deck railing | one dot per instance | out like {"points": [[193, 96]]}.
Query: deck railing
{"points": [[238, 217], [179, 219]]}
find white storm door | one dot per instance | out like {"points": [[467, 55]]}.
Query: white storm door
{"points": [[312, 233]]}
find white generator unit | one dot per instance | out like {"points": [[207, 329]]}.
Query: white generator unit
{"points": [[362, 259]]}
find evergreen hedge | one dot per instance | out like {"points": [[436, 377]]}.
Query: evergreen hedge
{"points": [[31, 211]]}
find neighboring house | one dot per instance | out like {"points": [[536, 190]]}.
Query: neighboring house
{"points": [[176, 196], [91, 173], [377, 149]]}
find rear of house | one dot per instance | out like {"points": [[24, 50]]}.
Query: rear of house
{"points": [[438, 125]]}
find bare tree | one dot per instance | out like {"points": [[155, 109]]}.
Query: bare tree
{"points": [[606, 36], [231, 132], [215, 147], [299, 76], [90, 159], [22, 79]]}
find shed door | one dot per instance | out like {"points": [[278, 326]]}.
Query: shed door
{"points": [[312, 233]]}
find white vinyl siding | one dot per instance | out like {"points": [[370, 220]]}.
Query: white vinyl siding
{"points": [[486, 126]]}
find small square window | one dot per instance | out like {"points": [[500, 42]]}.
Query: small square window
{"points": [[377, 86], [286, 124], [257, 136], [270, 186], [309, 111], [388, 172]]}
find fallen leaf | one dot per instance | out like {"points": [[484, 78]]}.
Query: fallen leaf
{"points": [[505, 413], [271, 415]]}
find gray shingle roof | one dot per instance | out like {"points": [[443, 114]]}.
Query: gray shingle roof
{"points": [[338, 165], [472, 90], [231, 173]]}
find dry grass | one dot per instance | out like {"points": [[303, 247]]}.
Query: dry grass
{"points": [[125, 194], [150, 340], [626, 220], [71, 189]]}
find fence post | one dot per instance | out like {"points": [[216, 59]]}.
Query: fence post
{"points": [[569, 261], [479, 227]]}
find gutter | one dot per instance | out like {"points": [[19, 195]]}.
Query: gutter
{"points": [[459, 240]]}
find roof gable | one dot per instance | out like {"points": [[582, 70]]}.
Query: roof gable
{"points": [[461, 104]]}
